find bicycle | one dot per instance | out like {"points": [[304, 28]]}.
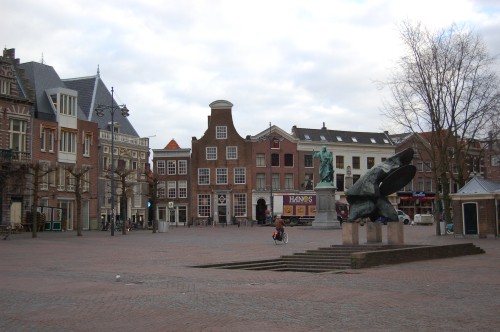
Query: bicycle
{"points": [[277, 238]]}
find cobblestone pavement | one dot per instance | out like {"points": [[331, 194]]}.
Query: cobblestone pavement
{"points": [[61, 282]]}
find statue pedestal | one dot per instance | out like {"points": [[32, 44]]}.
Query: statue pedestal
{"points": [[373, 232], [395, 234], [326, 215], [350, 233]]}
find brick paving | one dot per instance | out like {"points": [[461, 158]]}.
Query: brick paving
{"points": [[61, 282]]}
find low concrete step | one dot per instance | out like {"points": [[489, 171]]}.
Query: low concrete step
{"points": [[339, 257]]}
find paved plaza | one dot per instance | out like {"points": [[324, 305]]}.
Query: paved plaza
{"points": [[61, 282]]}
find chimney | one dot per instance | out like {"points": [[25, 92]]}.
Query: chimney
{"points": [[9, 53]]}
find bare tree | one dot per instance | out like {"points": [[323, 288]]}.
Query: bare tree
{"points": [[78, 174], [37, 172], [444, 85], [123, 173]]}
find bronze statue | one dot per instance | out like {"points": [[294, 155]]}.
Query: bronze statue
{"points": [[326, 165], [368, 196]]}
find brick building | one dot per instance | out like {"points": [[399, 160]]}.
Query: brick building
{"points": [[221, 161], [63, 142], [476, 209], [16, 114], [172, 166], [274, 169]]}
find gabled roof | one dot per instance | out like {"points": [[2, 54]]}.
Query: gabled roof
{"points": [[172, 145], [43, 77], [479, 185], [92, 92], [339, 136], [276, 130]]}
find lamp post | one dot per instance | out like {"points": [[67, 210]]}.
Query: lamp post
{"points": [[99, 110]]}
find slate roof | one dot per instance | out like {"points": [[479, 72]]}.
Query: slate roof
{"points": [[43, 77], [340, 136], [92, 92], [479, 185]]}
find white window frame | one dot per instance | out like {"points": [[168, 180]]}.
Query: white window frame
{"points": [[182, 188], [43, 137], [211, 152], [288, 181], [221, 132], [240, 205], [51, 139], [67, 105], [240, 175], [231, 152], [160, 167], [204, 205], [4, 87], [203, 176], [67, 141], [171, 189], [19, 136], [86, 145], [171, 167], [221, 175], [260, 160], [260, 182], [182, 167]]}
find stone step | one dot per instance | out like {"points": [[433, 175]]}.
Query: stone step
{"points": [[325, 260], [338, 257]]}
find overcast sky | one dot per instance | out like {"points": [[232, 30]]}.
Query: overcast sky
{"points": [[286, 62]]}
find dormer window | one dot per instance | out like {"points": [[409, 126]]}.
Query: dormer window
{"points": [[307, 137], [339, 138], [116, 126], [354, 139], [386, 141], [64, 101], [373, 140], [322, 138]]}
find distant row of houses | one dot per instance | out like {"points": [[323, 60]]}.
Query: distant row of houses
{"points": [[223, 177]]}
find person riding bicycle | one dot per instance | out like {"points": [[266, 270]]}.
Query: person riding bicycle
{"points": [[280, 225]]}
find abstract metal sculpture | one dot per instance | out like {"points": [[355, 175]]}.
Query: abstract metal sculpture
{"points": [[368, 196]]}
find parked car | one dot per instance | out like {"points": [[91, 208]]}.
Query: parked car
{"points": [[403, 217], [423, 219]]}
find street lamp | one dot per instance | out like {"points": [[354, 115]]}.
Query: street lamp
{"points": [[99, 111]]}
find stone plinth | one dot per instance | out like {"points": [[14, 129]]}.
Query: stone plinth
{"points": [[350, 233], [395, 234], [326, 215], [373, 232]]}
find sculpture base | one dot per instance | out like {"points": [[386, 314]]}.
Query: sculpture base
{"points": [[373, 232], [395, 233], [350, 233], [326, 215]]}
